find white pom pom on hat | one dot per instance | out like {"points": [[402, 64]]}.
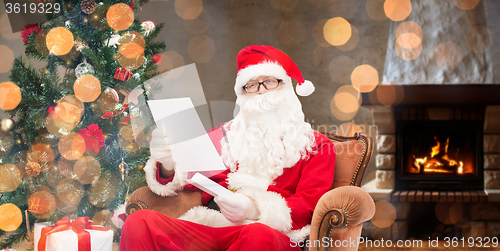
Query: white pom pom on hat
{"points": [[264, 60]]}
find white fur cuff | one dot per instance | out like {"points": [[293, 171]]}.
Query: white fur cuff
{"points": [[273, 209], [159, 189]]}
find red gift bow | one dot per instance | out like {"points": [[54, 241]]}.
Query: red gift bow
{"points": [[78, 226]]}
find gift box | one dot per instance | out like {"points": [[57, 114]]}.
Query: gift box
{"points": [[122, 74], [78, 235]]}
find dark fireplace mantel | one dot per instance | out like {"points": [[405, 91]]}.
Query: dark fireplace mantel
{"points": [[477, 94]]}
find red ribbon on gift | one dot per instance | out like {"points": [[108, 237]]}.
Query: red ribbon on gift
{"points": [[78, 226]]}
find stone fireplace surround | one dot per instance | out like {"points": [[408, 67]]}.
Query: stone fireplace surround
{"points": [[485, 215]]}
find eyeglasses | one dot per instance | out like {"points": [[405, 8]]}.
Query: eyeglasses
{"points": [[269, 84]]}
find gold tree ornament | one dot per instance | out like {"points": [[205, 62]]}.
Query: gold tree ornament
{"points": [[88, 6], [8, 124]]}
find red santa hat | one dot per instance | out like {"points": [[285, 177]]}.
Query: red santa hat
{"points": [[264, 60]]}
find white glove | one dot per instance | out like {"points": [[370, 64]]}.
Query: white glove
{"points": [[161, 150], [237, 207]]}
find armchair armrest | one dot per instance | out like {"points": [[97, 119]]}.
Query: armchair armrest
{"points": [[346, 206], [173, 206]]}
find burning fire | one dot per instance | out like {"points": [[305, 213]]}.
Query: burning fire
{"points": [[438, 162]]}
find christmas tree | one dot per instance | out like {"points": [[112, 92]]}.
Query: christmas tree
{"points": [[69, 147]]}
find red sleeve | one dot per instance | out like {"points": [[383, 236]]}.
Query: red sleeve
{"points": [[160, 179], [315, 179]]}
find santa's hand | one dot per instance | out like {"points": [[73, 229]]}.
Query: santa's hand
{"points": [[160, 149], [236, 207]]}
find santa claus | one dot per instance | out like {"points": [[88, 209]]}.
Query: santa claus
{"points": [[277, 166]]}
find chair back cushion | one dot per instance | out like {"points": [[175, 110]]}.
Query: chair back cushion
{"points": [[347, 162]]}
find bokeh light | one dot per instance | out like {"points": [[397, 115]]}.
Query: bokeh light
{"points": [[409, 27], [387, 95], [397, 10], [7, 58], [171, 60], [345, 103], [108, 101], [408, 40], [132, 44], [188, 9], [407, 53], [130, 63], [343, 8], [352, 42], [364, 78], [128, 141], [198, 25], [10, 95], [131, 50], [120, 16], [10, 178], [348, 129], [385, 214], [87, 88], [42, 204], [291, 32], [284, 5], [317, 33], [87, 169], [6, 28], [10, 217], [70, 191], [340, 69], [466, 4], [102, 191], [337, 31], [41, 154], [72, 146], [442, 210], [375, 9], [456, 212], [478, 39], [448, 55], [70, 109], [59, 41], [201, 48]]}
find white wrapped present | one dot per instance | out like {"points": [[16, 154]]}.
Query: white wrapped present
{"points": [[78, 235]]}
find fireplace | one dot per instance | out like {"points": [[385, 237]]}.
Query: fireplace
{"points": [[439, 155]]}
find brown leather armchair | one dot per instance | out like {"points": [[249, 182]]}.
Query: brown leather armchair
{"points": [[338, 215]]}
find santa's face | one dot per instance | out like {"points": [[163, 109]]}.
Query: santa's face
{"points": [[268, 134]]}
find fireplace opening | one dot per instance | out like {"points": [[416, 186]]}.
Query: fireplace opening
{"points": [[439, 155]]}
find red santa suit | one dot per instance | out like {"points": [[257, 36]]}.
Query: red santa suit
{"points": [[286, 204]]}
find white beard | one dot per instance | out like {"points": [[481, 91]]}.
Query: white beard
{"points": [[268, 134]]}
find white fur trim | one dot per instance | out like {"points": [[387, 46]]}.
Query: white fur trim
{"points": [[208, 217], [240, 180], [299, 235], [305, 89], [273, 209], [159, 189], [271, 69]]}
